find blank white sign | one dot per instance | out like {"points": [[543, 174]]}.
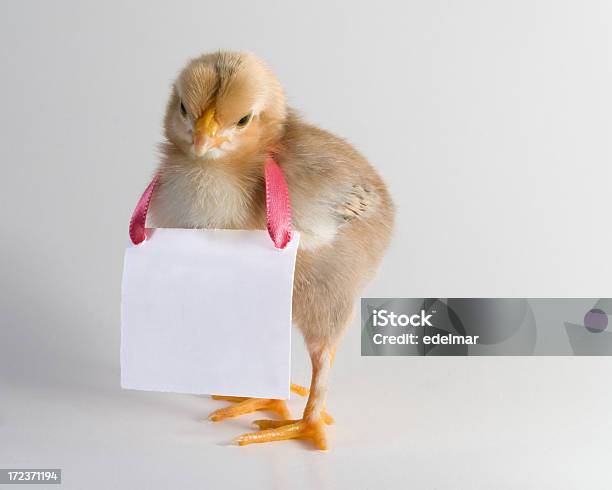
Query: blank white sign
{"points": [[207, 312]]}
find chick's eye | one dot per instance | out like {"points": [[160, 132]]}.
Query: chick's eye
{"points": [[244, 121], [183, 110]]}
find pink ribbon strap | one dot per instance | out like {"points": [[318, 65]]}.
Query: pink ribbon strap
{"points": [[278, 207], [139, 216]]}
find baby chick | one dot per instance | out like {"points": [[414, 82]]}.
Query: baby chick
{"points": [[226, 113]]}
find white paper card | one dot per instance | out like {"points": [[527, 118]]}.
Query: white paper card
{"points": [[207, 312]]}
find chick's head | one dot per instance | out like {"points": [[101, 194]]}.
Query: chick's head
{"points": [[224, 103]]}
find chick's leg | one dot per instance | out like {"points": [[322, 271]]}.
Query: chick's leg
{"points": [[243, 405], [311, 425]]}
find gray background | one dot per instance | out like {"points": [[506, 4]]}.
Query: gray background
{"points": [[490, 121]]}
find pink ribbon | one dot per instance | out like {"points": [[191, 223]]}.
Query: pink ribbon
{"points": [[139, 216], [278, 207]]}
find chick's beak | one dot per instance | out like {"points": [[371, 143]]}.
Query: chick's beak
{"points": [[205, 133]]}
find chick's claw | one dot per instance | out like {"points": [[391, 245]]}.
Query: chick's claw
{"points": [[312, 430], [249, 405], [272, 424], [244, 405], [299, 390], [229, 398]]}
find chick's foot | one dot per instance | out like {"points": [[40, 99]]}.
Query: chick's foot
{"points": [[242, 405], [280, 430]]}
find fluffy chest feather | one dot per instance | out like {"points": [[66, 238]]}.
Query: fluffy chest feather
{"points": [[204, 197]]}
